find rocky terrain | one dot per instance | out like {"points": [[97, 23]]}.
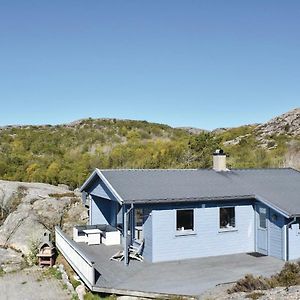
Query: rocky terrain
{"points": [[27, 210], [287, 123]]}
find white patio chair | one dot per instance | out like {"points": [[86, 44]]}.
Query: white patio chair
{"points": [[135, 252]]}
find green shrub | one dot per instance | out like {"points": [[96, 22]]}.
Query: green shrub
{"points": [[70, 194], [31, 258], [52, 272], [91, 296]]}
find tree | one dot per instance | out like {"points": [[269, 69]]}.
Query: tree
{"points": [[202, 147]]}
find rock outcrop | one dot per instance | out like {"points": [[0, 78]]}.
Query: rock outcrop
{"points": [[30, 208], [288, 123]]}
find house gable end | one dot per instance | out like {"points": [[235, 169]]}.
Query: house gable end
{"points": [[97, 185]]}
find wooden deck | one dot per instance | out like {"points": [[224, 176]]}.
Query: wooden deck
{"points": [[187, 277]]}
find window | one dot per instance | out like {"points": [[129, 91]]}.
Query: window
{"points": [[138, 216], [227, 217], [263, 217], [185, 219]]}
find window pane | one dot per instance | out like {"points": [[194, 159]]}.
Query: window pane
{"points": [[227, 217], [185, 219], [262, 217], [138, 216]]}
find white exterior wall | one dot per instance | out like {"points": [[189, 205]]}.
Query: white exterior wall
{"points": [[294, 242]]}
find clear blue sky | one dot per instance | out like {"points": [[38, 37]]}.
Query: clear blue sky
{"points": [[190, 62]]}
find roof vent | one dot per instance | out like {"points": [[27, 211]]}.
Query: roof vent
{"points": [[219, 161]]}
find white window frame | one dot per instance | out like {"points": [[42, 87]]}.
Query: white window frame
{"points": [[227, 229]]}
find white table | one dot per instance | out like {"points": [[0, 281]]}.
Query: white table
{"points": [[111, 238], [93, 236]]}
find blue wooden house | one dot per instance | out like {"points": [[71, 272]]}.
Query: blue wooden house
{"points": [[183, 214]]}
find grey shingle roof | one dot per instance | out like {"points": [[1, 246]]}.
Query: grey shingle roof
{"points": [[279, 187]]}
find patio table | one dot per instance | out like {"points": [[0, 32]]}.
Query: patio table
{"points": [[93, 236]]}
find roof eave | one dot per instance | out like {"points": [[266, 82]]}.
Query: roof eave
{"points": [[110, 187], [88, 181], [191, 199], [219, 198], [274, 207]]}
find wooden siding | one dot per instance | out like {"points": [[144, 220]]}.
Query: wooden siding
{"points": [[83, 265], [99, 189], [207, 239], [294, 242], [275, 237], [103, 211], [147, 231]]}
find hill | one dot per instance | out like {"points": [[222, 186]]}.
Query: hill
{"points": [[275, 143], [67, 153]]}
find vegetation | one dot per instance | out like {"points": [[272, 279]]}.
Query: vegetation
{"points": [[52, 272], [254, 295], [61, 260], [94, 296], [31, 258], [68, 153], [58, 196], [288, 276]]}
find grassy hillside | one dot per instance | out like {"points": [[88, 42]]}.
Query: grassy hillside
{"points": [[68, 153]]}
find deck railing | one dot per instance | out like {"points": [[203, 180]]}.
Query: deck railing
{"points": [[80, 262]]}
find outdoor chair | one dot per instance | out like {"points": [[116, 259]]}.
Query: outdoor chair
{"points": [[135, 252], [119, 256]]}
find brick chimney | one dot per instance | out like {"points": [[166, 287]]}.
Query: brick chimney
{"points": [[219, 161]]}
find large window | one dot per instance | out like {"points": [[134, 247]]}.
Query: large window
{"points": [[185, 219], [227, 217]]}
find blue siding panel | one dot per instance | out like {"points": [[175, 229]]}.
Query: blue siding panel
{"points": [[99, 189], [103, 211], [207, 239], [96, 215], [147, 231], [275, 229]]}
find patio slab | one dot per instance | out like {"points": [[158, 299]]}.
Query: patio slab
{"points": [[184, 277]]}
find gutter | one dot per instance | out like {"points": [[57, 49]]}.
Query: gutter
{"points": [[287, 237]]}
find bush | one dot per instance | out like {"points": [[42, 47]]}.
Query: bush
{"points": [[255, 295], [250, 283], [52, 272], [288, 276], [31, 258]]}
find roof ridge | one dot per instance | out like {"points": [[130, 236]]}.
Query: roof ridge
{"points": [[200, 169], [136, 169], [255, 169]]}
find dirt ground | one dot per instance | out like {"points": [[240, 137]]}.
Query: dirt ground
{"points": [[31, 284]]}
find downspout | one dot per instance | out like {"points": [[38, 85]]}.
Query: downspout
{"points": [[126, 244], [287, 238]]}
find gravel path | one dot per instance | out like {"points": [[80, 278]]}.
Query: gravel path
{"points": [[30, 284]]}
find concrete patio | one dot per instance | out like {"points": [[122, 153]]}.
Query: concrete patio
{"points": [[187, 277]]}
